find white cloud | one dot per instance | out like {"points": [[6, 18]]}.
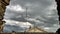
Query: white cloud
{"points": [[11, 25], [46, 28], [17, 23], [16, 8]]}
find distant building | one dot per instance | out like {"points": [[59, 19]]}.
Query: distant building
{"points": [[35, 29]]}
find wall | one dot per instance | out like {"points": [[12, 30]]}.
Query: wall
{"points": [[3, 4], [58, 8], [26, 33]]}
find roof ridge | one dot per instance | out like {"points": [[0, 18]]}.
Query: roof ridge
{"points": [[37, 28]]}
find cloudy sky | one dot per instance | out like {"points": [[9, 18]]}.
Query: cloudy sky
{"points": [[41, 13]]}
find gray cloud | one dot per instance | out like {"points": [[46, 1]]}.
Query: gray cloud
{"points": [[43, 11]]}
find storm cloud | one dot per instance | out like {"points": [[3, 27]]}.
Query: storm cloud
{"points": [[40, 13]]}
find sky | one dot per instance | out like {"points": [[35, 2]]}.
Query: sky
{"points": [[40, 13]]}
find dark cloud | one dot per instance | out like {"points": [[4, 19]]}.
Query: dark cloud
{"points": [[41, 12]]}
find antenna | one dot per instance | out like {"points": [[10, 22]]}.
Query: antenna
{"points": [[26, 12], [26, 17]]}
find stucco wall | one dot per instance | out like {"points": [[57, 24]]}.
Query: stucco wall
{"points": [[3, 4]]}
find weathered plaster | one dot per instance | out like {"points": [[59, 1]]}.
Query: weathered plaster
{"points": [[3, 4]]}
